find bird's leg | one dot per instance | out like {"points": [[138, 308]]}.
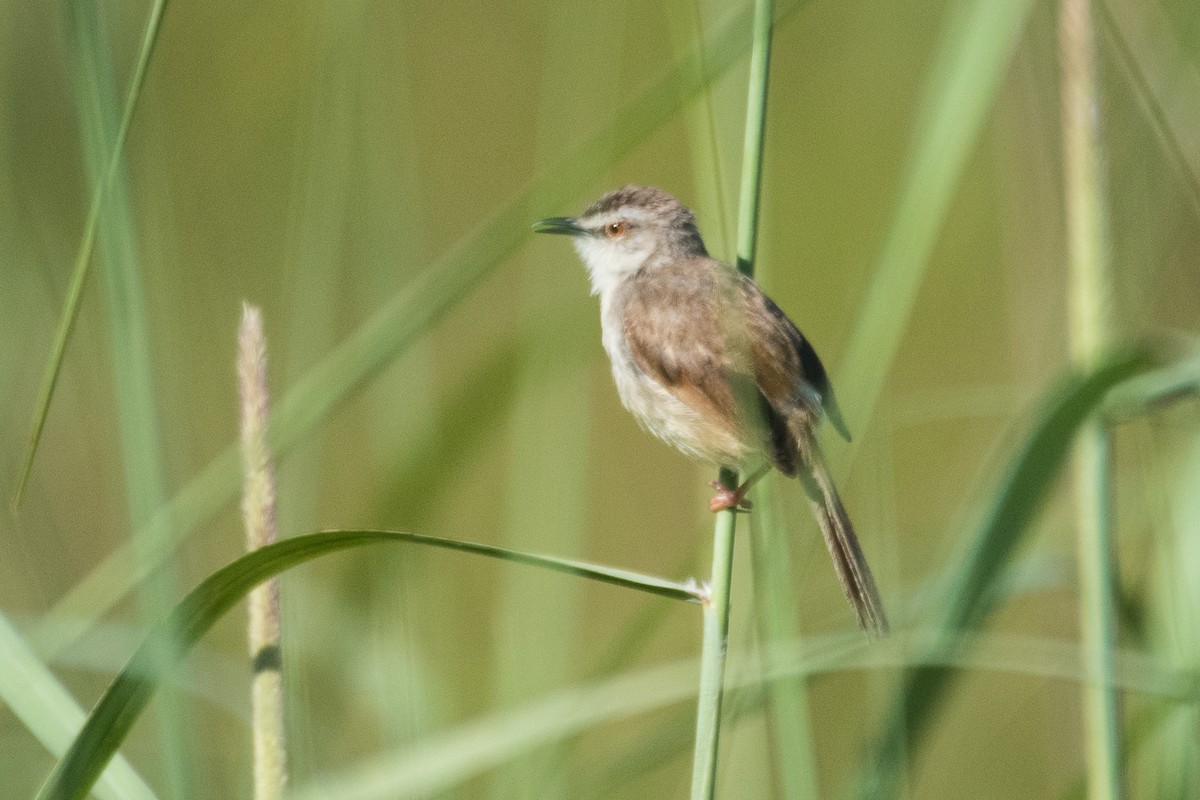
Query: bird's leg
{"points": [[735, 498]]}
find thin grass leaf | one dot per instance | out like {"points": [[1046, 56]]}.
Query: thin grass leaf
{"points": [[1017, 500], [112, 718], [36, 698], [1151, 392], [457, 755], [1035, 656], [972, 56], [408, 316], [673, 590], [213, 679], [142, 459], [1171, 746], [426, 465], [87, 242], [544, 498], [1164, 79], [449, 759]]}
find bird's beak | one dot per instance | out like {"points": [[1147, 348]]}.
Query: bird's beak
{"points": [[564, 225]]}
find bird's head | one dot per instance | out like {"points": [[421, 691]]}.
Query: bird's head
{"points": [[626, 229]]}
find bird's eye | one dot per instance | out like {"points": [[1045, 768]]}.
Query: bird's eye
{"points": [[616, 229]]}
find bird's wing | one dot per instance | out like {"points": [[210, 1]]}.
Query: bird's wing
{"points": [[664, 321], [788, 369]]}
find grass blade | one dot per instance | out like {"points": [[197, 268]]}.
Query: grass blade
{"points": [[123, 702], [452, 757], [973, 55], [965, 602], [46, 708], [87, 242], [1173, 749], [142, 459], [1165, 80], [1154, 390]]}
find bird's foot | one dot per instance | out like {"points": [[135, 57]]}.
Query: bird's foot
{"points": [[729, 498]]}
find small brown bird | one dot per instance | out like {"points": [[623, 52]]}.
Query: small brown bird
{"points": [[709, 364]]}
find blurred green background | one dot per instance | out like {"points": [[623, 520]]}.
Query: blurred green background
{"points": [[326, 160]]}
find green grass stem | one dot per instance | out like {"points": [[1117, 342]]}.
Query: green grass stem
{"points": [[716, 610], [750, 191], [969, 594], [713, 653], [1090, 298], [775, 604]]}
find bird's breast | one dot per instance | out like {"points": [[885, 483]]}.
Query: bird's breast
{"points": [[659, 411]]}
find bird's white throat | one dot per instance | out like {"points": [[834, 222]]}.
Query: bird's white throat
{"points": [[609, 263]]}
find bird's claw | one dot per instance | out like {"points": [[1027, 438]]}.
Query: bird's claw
{"points": [[727, 498]]}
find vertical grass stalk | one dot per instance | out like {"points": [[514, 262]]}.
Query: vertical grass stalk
{"points": [[756, 128], [788, 715], [713, 652], [118, 234], [716, 610], [1090, 299], [258, 512]]}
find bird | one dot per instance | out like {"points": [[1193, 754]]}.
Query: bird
{"points": [[705, 361]]}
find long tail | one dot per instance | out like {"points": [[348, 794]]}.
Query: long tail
{"points": [[848, 559]]}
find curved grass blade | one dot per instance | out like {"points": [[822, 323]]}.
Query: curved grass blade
{"points": [[87, 242], [967, 598], [119, 708], [1155, 390], [408, 315]]}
